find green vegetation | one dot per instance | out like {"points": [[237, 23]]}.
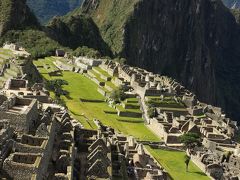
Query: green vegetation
{"points": [[101, 71], [80, 87], [13, 71], [118, 95], [169, 102], [85, 51], [151, 112], [111, 16], [122, 109], [45, 9], [174, 163], [15, 15], [98, 72], [55, 86], [110, 84], [77, 31], [97, 76], [36, 42], [190, 140], [19, 25], [47, 64]]}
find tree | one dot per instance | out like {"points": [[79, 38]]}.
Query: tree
{"points": [[118, 95], [56, 86], [151, 112], [187, 160], [190, 140]]}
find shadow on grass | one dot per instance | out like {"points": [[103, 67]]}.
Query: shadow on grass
{"points": [[91, 100], [76, 114], [130, 121], [85, 117], [199, 173], [68, 97], [110, 112]]}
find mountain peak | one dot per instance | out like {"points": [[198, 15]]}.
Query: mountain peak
{"points": [[15, 14]]}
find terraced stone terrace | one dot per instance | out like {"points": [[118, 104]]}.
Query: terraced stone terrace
{"points": [[81, 87], [86, 103], [6, 73], [104, 77], [167, 102], [46, 65], [172, 161]]}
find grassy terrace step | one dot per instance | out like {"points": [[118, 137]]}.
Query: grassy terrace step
{"points": [[167, 102], [12, 71], [101, 71], [63, 61], [46, 64], [110, 84], [120, 108], [173, 162], [131, 100], [82, 87], [97, 76]]}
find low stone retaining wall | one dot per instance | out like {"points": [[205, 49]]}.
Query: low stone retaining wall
{"points": [[106, 78], [108, 88], [110, 112], [167, 148], [98, 82], [90, 74], [83, 66], [91, 100], [117, 82], [101, 91], [131, 106], [129, 114]]}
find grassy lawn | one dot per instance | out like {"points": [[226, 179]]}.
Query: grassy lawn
{"points": [[4, 55], [173, 162], [80, 86]]}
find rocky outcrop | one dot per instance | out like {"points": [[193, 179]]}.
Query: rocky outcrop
{"points": [[15, 14], [194, 41]]}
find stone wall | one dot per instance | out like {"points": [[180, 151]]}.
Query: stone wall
{"points": [[40, 98], [101, 91], [129, 114], [47, 154], [31, 114]]}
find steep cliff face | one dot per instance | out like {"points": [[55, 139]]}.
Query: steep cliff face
{"points": [[194, 41], [111, 17], [15, 14], [74, 31]]}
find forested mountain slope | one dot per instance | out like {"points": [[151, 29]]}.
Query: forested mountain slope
{"points": [[47, 9]]}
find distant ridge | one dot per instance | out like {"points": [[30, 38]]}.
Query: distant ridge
{"points": [[47, 9]]}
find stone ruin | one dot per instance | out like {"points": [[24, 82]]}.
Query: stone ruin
{"points": [[21, 88], [217, 164], [40, 142], [35, 143]]}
